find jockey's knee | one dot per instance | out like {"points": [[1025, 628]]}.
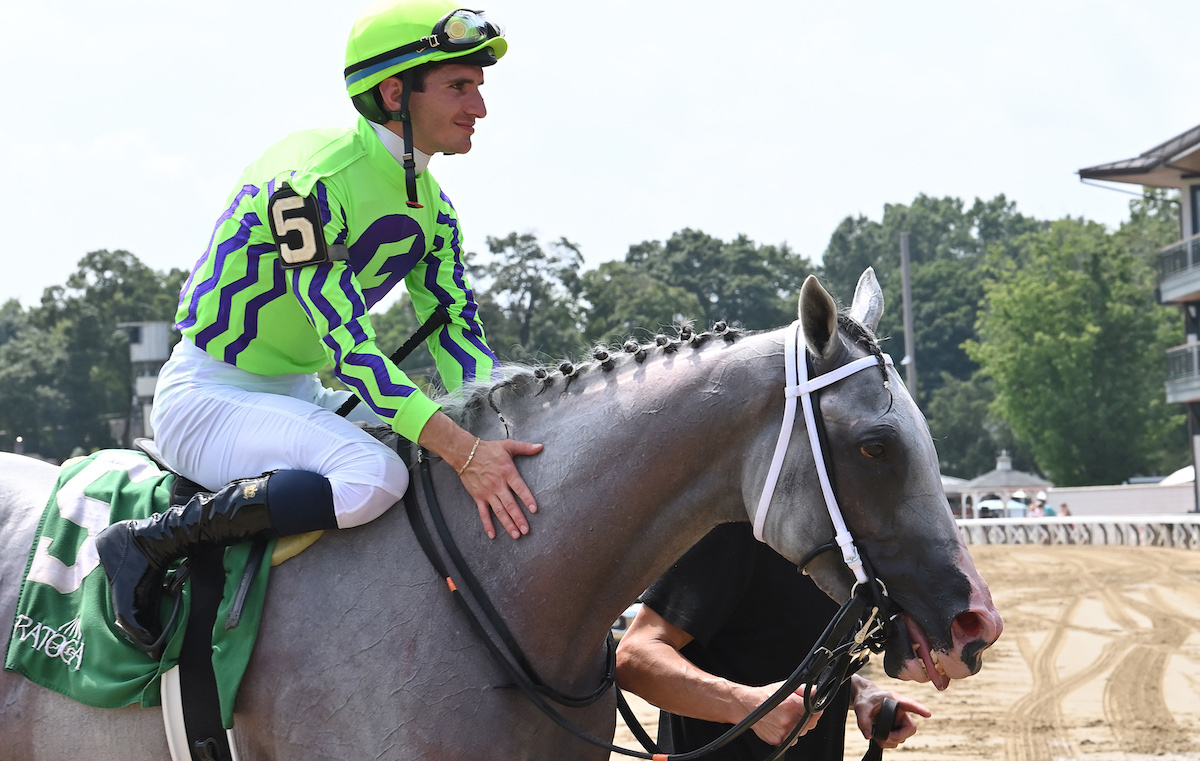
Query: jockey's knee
{"points": [[362, 500]]}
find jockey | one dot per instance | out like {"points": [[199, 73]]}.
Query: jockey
{"points": [[316, 231]]}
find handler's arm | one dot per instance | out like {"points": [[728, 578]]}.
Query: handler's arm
{"points": [[649, 664]]}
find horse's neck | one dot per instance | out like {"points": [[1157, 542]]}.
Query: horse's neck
{"points": [[637, 467]]}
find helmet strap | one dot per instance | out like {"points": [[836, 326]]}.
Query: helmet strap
{"points": [[405, 119]]}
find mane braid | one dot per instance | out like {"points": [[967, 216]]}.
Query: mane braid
{"points": [[465, 404]]}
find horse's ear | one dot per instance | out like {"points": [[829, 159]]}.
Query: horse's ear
{"points": [[868, 300], [818, 317]]}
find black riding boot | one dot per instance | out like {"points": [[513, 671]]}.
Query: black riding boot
{"points": [[136, 554]]}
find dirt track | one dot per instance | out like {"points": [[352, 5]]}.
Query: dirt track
{"points": [[1100, 660]]}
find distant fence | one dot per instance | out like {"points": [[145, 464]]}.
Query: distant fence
{"points": [[1180, 531]]}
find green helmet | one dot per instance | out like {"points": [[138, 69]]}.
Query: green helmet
{"points": [[393, 36]]}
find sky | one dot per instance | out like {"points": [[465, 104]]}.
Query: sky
{"points": [[124, 125]]}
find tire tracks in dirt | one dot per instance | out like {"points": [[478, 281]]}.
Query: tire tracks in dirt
{"points": [[1035, 724], [1131, 665], [1135, 704]]}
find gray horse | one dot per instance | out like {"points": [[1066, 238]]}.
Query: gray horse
{"points": [[363, 654]]}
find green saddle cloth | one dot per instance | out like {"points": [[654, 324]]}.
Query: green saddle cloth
{"points": [[63, 637]]}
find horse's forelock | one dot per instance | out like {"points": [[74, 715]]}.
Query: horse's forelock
{"points": [[863, 337]]}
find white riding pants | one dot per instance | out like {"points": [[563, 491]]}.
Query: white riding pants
{"points": [[215, 422]]}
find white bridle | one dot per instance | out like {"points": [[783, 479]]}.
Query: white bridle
{"points": [[799, 385]]}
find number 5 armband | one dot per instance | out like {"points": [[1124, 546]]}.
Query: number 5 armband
{"points": [[298, 230]]}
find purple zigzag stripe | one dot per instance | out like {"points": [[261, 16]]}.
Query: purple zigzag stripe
{"points": [[388, 229], [303, 304], [465, 358], [361, 387], [208, 284], [320, 277], [247, 280], [334, 347], [460, 355], [383, 381], [255, 305], [358, 310], [330, 313], [470, 310], [323, 203]]}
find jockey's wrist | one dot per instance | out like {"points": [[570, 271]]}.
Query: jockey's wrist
{"points": [[474, 449], [447, 440]]}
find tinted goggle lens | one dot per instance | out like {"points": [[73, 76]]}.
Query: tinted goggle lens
{"points": [[464, 28]]}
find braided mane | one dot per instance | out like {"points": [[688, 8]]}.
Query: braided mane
{"points": [[521, 380]]}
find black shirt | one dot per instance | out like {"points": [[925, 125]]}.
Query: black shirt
{"points": [[754, 619]]}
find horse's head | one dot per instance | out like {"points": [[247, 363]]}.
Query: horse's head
{"points": [[888, 485]]}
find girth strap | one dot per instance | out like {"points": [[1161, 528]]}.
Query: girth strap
{"points": [[206, 736]]}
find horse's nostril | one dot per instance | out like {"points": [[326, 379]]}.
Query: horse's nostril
{"points": [[970, 625]]}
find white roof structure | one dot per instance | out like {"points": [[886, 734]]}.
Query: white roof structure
{"points": [[1004, 482]]}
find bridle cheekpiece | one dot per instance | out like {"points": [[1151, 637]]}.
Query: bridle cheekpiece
{"points": [[800, 385]]}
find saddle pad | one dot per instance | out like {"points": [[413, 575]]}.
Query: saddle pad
{"points": [[63, 637]]}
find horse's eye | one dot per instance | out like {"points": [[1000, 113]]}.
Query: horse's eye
{"points": [[874, 450]]}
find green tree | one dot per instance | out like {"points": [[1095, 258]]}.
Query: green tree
{"points": [[739, 281], [32, 405], [1152, 225], [85, 374], [625, 301], [12, 318], [1067, 333], [968, 435], [531, 307], [947, 243]]}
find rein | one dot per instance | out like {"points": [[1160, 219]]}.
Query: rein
{"points": [[507, 651], [857, 629]]}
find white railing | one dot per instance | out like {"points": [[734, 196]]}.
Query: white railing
{"points": [[1180, 531]]}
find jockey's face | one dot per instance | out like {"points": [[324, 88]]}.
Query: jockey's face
{"points": [[444, 113]]}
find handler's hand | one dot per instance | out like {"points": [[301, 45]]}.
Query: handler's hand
{"points": [[868, 697], [490, 476], [779, 723]]}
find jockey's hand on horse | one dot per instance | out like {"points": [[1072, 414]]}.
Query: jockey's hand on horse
{"points": [[487, 470], [867, 697]]}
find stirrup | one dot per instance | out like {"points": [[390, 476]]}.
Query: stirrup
{"points": [[174, 588]]}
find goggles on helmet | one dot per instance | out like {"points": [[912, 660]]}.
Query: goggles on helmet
{"points": [[458, 30], [462, 29]]}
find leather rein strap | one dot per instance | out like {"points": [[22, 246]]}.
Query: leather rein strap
{"points": [[508, 645]]}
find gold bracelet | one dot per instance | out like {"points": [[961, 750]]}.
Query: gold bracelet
{"points": [[470, 457]]}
